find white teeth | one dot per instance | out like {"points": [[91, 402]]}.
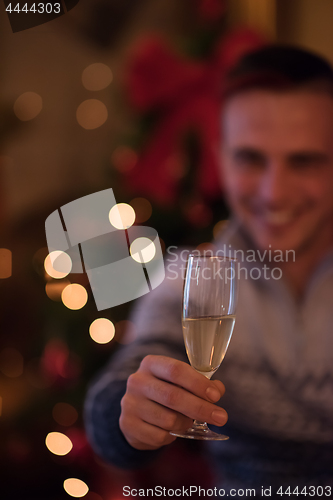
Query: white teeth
{"points": [[277, 218]]}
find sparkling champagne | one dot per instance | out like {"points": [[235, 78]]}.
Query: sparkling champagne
{"points": [[206, 341]]}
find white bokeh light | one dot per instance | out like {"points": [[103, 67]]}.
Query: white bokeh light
{"points": [[143, 250], [122, 216], [58, 264], [102, 330]]}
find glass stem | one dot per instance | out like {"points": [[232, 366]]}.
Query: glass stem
{"points": [[202, 426]]}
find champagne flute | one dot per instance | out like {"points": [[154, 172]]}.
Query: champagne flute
{"points": [[208, 318]]}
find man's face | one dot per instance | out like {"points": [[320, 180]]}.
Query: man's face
{"points": [[278, 166]]}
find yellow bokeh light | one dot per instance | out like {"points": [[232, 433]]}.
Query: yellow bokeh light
{"points": [[74, 296], [96, 77], [91, 114], [58, 264], [143, 250], [122, 216], [58, 443], [27, 106], [102, 330], [75, 487], [54, 289], [5, 263]]}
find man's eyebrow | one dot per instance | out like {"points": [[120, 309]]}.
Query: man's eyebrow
{"points": [[247, 152], [308, 157]]}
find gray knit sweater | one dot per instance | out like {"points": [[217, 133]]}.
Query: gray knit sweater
{"points": [[278, 373]]}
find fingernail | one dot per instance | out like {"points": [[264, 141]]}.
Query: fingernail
{"points": [[213, 394], [219, 416]]}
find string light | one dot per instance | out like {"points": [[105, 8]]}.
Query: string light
{"points": [[97, 76], [58, 443], [122, 216], [75, 487], [142, 250], [91, 114], [102, 330], [62, 263], [74, 296], [27, 106]]}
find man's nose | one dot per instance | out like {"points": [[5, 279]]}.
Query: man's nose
{"points": [[274, 184]]}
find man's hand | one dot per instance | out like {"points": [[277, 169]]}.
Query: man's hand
{"points": [[164, 395]]}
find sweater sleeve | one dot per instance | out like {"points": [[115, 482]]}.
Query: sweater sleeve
{"points": [[157, 320]]}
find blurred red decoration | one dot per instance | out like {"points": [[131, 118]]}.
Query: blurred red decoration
{"points": [[187, 97], [211, 10], [58, 363]]}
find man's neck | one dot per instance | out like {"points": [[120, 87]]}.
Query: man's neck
{"points": [[298, 273]]}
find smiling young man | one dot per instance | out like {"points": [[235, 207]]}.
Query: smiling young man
{"points": [[278, 372]]}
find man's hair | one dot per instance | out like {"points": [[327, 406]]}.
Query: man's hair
{"points": [[280, 68]]}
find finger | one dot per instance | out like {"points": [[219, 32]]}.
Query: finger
{"points": [[160, 416], [184, 402], [220, 386], [144, 436], [181, 374], [154, 413]]}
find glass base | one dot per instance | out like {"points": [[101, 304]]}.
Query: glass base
{"points": [[200, 431]]}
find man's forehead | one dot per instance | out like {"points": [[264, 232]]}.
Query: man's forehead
{"points": [[276, 115]]}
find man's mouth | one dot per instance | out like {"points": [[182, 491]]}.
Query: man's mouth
{"points": [[277, 218]]}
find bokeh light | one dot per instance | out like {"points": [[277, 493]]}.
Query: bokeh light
{"points": [[58, 264], [54, 289], [27, 106], [142, 208], [125, 332], [58, 443], [5, 263], [96, 77], [122, 216], [91, 114], [75, 487], [11, 362], [74, 296], [65, 414], [143, 250], [124, 159], [102, 330], [219, 227]]}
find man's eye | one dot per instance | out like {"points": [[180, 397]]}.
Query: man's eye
{"points": [[249, 160], [307, 163]]}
